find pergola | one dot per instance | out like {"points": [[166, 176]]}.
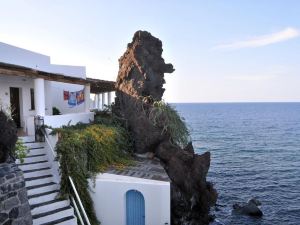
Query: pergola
{"points": [[96, 85], [92, 85]]}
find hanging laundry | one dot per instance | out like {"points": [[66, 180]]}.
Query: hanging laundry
{"points": [[80, 97], [72, 99], [66, 95]]}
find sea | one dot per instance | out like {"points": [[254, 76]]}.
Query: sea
{"points": [[255, 152]]}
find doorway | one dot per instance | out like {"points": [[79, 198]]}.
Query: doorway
{"points": [[15, 105], [135, 208]]}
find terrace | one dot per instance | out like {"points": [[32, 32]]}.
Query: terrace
{"points": [[34, 92]]}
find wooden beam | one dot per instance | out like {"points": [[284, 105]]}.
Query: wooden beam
{"points": [[10, 70], [97, 86]]}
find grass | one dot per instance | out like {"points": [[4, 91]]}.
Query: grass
{"points": [[164, 116]]}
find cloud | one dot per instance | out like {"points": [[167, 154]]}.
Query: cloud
{"points": [[260, 41]]}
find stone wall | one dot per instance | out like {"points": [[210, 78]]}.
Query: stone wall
{"points": [[14, 206]]}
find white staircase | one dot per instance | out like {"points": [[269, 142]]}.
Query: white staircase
{"points": [[42, 190]]}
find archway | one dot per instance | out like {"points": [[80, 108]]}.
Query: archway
{"points": [[135, 208]]}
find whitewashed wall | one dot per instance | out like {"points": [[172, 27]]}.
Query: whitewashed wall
{"points": [[74, 71], [19, 56], [23, 57], [53, 90], [109, 196], [24, 85], [57, 97], [53, 95], [59, 120]]}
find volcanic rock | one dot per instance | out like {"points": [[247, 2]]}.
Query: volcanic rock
{"points": [[250, 208], [139, 84]]}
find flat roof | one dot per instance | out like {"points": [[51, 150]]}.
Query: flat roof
{"points": [[130, 180], [143, 168], [97, 85]]}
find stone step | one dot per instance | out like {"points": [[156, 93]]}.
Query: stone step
{"points": [[53, 215], [27, 139], [35, 145], [35, 158], [38, 173], [34, 206], [35, 148], [39, 186], [38, 180], [32, 166], [42, 189], [36, 151], [43, 193], [43, 198], [69, 220], [56, 204], [34, 170]]}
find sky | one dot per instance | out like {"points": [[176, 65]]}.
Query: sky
{"points": [[222, 50]]}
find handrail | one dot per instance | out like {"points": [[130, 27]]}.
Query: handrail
{"points": [[51, 148], [79, 201], [74, 189], [77, 210]]}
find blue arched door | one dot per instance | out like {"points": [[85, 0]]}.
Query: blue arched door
{"points": [[135, 208]]}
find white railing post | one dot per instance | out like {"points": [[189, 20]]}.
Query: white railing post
{"points": [[79, 201], [77, 210]]}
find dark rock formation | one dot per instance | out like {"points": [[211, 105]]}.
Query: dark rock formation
{"points": [[251, 208], [8, 136], [140, 83], [141, 75]]}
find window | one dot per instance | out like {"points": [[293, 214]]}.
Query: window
{"points": [[32, 98]]}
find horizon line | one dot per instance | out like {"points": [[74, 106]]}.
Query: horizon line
{"points": [[233, 102]]}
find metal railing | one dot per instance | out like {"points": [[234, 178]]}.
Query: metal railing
{"points": [[82, 210], [80, 204]]}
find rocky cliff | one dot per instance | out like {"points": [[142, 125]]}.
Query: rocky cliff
{"points": [[139, 85]]}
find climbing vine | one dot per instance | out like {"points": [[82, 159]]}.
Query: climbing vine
{"points": [[85, 150]]}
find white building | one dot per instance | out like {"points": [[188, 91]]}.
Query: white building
{"points": [[32, 86], [136, 195], [139, 195]]}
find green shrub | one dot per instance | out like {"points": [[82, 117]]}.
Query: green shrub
{"points": [[8, 136], [85, 150], [20, 151], [167, 118], [55, 111]]}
